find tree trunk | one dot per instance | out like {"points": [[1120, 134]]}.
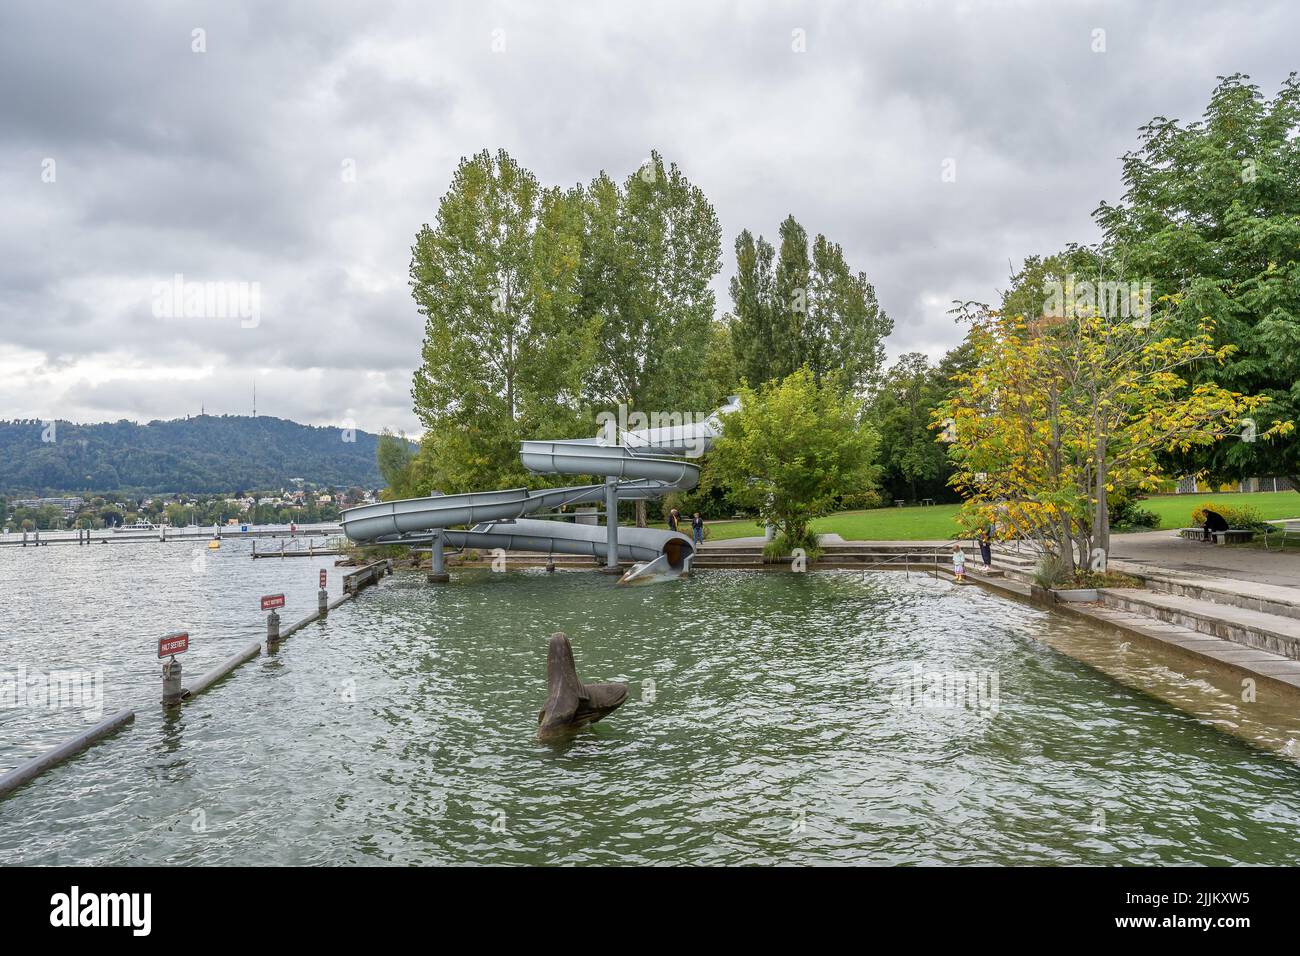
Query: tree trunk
{"points": [[1101, 514], [640, 512]]}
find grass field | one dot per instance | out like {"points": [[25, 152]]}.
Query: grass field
{"points": [[937, 521]]}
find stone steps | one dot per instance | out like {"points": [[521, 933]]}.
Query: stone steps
{"points": [[1266, 599], [1245, 659], [1273, 633]]}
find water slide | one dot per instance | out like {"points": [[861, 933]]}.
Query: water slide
{"points": [[635, 464]]}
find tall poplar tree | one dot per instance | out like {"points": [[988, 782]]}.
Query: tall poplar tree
{"points": [[651, 250], [504, 348], [794, 308], [751, 317]]}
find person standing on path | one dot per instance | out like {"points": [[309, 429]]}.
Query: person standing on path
{"points": [[697, 527], [672, 519], [986, 547]]}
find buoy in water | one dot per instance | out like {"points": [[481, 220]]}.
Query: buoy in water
{"points": [[214, 544]]}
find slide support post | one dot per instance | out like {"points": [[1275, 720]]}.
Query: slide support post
{"points": [[611, 522]]}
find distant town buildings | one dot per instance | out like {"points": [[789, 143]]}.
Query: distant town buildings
{"points": [[69, 506]]}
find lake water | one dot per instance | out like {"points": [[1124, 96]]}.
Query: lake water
{"points": [[772, 718]]}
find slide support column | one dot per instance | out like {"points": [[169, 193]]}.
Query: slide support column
{"points": [[611, 522], [437, 570]]}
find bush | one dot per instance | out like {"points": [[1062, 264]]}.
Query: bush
{"points": [[1237, 516], [1127, 513], [782, 546], [1100, 579], [1053, 574], [1051, 571]]}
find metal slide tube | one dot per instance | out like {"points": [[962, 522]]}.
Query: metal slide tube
{"points": [[642, 466]]}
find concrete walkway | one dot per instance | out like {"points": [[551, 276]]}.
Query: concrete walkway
{"points": [[1165, 550]]}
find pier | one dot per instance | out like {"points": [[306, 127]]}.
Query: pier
{"points": [[177, 691], [25, 539], [327, 547]]}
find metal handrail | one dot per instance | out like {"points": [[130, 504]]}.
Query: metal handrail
{"points": [[933, 553]]}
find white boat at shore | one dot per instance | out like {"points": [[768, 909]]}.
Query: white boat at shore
{"points": [[137, 526]]}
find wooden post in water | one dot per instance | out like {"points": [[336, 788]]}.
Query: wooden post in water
{"points": [[272, 629]]}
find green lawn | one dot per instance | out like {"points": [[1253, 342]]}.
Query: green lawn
{"points": [[1175, 511], [936, 521]]}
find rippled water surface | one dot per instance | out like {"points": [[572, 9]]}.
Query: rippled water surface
{"points": [[765, 724]]}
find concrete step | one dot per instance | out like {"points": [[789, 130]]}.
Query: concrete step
{"points": [[1250, 660], [1020, 560], [1248, 595], [882, 547], [1248, 628]]}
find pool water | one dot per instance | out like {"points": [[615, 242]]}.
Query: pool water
{"points": [[828, 717]]}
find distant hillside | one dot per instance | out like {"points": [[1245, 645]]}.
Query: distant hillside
{"points": [[203, 454]]}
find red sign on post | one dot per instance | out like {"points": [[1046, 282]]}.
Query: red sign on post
{"points": [[322, 579], [177, 643], [271, 601]]}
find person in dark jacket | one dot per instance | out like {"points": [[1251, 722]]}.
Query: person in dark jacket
{"points": [[986, 548], [697, 528], [1214, 522]]}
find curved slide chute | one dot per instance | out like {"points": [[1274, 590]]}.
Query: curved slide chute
{"points": [[641, 463]]}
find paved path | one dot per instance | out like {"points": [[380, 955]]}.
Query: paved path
{"points": [[1164, 549]]}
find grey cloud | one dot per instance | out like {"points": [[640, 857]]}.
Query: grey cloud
{"points": [[226, 166]]}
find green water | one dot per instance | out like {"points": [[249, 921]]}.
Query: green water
{"points": [[763, 725]]}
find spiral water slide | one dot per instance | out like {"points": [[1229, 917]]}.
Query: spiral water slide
{"points": [[641, 463]]}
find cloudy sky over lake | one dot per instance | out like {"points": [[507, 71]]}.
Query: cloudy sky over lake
{"points": [[303, 148]]}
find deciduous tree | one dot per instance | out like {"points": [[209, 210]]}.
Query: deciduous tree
{"points": [[792, 450], [1211, 213], [1053, 418]]}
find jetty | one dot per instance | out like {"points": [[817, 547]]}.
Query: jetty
{"points": [[36, 539]]}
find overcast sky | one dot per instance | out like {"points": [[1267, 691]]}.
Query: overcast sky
{"points": [[303, 147]]}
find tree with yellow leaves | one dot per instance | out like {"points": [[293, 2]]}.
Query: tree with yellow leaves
{"points": [[1056, 415]]}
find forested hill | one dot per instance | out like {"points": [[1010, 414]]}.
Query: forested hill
{"points": [[229, 453]]}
